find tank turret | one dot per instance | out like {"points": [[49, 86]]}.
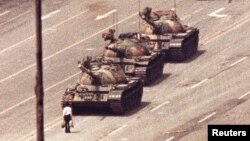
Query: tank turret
{"points": [[127, 45], [160, 22]]}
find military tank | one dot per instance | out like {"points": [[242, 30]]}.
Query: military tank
{"points": [[134, 57], [165, 31], [103, 85]]}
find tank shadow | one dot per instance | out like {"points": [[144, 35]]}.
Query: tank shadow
{"points": [[105, 111], [196, 55], [143, 105], [163, 77]]}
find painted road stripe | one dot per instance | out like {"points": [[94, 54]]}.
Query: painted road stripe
{"points": [[32, 97], [206, 41], [198, 84], [12, 19], [4, 13], [50, 14], [215, 13], [66, 48], [207, 117], [226, 30], [48, 29], [159, 106], [244, 95], [26, 100], [237, 62], [33, 133], [117, 130], [100, 17], [89, 49], [48, 127], [170, 139], [190, 15], [197, 11]]}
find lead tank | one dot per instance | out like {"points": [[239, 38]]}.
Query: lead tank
{"points": [[134, 56], [102, 85], [165, 31]]}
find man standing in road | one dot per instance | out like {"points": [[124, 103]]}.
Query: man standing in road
{"points": [[67, 116]]}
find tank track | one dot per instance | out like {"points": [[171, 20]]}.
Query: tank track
{"points": [[130, 99], [153, 71], [182, 49]]}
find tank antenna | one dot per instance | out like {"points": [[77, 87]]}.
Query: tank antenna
{"points": [[175, 6], [116, 13], [139, 19], [115, 19]]}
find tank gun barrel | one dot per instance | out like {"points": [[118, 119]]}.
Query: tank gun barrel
{"points": [[114, 49]]}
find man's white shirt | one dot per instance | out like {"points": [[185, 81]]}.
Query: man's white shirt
{"points": [[67, 111]]}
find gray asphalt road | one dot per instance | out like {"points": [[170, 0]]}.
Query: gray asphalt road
{"points": [[211, 87]]}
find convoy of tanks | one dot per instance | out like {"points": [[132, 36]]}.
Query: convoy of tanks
{"points": [[134, 59]]}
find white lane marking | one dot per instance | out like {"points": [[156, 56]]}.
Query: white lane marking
{"points": [[198, 84], [65, 21], [33, 133], [48, 29], [146, 89], [50, 14], [4, 13], [244, 95], [226, 30], [159, 106], [8, 48], [185, 17], [32, 97], [197, 11], [12, 19], [48, 127], [99, 17], [68, 47], [190, 15], [18, 72], [169, 139], [207, 117], [62, 51], [237, 62], [89, 49], [215, 13], [117, 130], [17, 105]]}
